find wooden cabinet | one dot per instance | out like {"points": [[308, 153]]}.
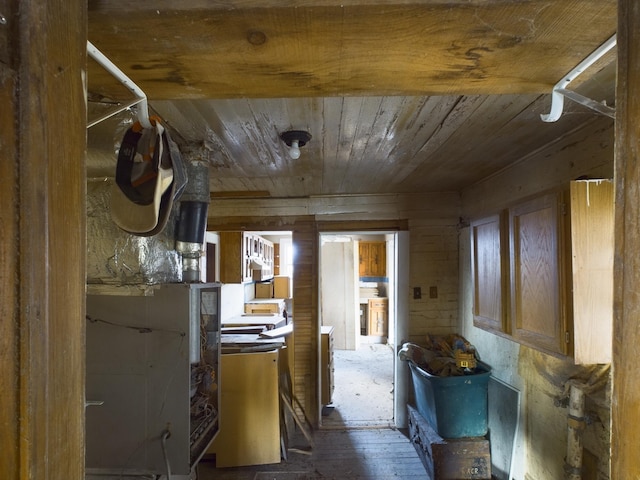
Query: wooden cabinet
{"points": [[489, 270], [250, 402], [326, 365], [377, 317], [372, 259], [543, 271], [245, 257], [539, 314]]}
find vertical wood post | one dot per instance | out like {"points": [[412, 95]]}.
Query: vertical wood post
{"points": [[42, 233], [625, 461]]}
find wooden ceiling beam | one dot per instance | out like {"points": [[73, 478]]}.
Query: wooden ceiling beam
{"points": [[192, 50]]}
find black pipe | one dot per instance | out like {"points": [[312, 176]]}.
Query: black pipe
{"points": [[192, 222]]}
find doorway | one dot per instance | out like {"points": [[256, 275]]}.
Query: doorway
{"points": [[358, 306]]}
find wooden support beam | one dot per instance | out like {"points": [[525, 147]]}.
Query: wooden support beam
{"points": [[42, 238], [195, 49], [625, 462]]}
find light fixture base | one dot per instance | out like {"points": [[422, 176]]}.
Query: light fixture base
{"points": [[300, 135]]}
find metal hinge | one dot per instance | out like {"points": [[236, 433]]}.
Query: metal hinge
{"points": [[566, 337]]}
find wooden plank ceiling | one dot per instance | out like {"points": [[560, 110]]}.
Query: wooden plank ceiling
{"points": [[399, 96]]}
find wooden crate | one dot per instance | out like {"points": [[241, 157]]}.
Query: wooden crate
{"points": [[451, 459]]}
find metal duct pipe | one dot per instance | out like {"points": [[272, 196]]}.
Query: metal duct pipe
{"points": [[192, 220]]}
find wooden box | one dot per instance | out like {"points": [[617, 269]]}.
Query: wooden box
{"points": [[282, 287], [264, 290], [264, 306], [455, 459]]}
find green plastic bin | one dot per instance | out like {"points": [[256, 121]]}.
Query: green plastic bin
{"points": [[456, 407]]}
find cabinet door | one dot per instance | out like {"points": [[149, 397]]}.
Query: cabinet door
{"points": [[363, 259], [373, 259], [537, 314], [378, 314], [379, 259], [490, 273]]}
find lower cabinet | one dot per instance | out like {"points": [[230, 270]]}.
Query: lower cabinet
{"points": [[378, 317], [326, 358], [250, 425]]}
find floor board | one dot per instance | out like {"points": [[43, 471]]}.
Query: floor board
{"points": [[372, 454]]}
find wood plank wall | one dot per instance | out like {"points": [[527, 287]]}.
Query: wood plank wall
{"points": [[42, 238], [625, 462], [305, 311]]}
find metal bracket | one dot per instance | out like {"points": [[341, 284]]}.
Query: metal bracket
{"points": [[141, 97], [560, 89]]}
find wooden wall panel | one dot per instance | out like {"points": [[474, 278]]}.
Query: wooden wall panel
{"points": [[625, 461], [305, 314], [588, 151]]}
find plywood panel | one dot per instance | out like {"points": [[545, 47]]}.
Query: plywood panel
{"points": [[592, 269], [250, 410]]}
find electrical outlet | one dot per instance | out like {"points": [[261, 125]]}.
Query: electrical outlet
{"points": [[433, 292], [417, 293]]}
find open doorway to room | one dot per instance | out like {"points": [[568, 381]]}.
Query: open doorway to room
{"points": [[358, 292]]}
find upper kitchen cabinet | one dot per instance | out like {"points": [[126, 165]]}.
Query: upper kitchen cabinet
{"points": [[372, 259], [489, 269], [543, 271], [539, 314], [245, 257]]}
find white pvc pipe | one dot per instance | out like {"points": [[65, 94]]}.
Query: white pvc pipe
{"points": [[557, 98], [109, 66], [574, 433]]}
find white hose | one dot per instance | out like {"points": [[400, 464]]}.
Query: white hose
{"points": [[166, 434]]}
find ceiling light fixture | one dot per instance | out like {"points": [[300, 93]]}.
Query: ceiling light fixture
{"points": [[294, 140]]}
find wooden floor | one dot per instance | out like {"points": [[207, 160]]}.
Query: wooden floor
{"points": [[354, 454]]}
